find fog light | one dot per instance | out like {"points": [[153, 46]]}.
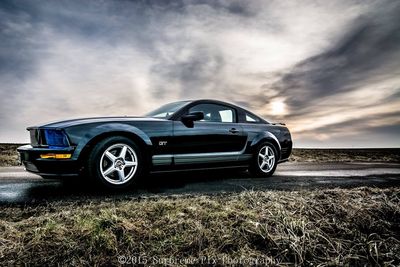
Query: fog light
{"points": [[55, 156]]}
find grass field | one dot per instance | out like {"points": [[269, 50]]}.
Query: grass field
{"points": [[330, 227]]}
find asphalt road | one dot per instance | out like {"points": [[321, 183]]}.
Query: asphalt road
{"points": [[20, 187]]}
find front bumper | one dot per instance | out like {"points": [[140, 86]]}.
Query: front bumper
{"points": [[30, 158]]}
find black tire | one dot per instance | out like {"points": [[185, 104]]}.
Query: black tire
{"points": [[256, 161], [98, 163]]}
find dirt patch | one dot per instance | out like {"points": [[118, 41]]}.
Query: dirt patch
{"points": [[334, 227]]}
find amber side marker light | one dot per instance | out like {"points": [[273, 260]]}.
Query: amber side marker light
{"points": [[55, 156]]}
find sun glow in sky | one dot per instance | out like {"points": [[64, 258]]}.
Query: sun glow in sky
{"points": [[278, 107], [328, 69]]}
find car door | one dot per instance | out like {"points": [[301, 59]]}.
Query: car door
{"points": [[216, 138]]}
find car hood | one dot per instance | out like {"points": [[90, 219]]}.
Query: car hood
{"points": [[74, 122]]}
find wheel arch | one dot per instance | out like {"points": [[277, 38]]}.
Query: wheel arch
{"points": [[266, 137], [99, 133]]}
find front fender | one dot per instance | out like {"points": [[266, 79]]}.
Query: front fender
{"points": [[108, 128]]}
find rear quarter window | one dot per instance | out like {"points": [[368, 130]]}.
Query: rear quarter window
{"points": [[251, 118]]}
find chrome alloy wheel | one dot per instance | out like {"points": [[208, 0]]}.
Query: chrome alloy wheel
{"points": [[266, 159], [118, 164]]}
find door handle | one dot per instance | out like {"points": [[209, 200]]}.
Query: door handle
{"points": [[233, 130]]}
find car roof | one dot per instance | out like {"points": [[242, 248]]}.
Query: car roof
{"points": [[213, 101], [218, 102]]}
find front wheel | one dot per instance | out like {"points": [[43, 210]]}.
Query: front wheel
{"points": [[265, 160], [115, 162]]}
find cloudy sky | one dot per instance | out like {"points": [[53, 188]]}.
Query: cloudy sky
{"points": [[329, 69]]}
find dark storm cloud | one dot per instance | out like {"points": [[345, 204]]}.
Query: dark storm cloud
{"points": [[13, 33], [193, 74], [368, 52]]}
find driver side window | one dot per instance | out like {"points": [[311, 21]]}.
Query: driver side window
{"points": [[215, 113]]}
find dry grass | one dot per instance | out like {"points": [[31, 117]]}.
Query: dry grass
{"points": [[8, 154], [323, 227], [346, 155]]}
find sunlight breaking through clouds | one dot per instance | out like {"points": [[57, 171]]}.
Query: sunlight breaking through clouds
{"points": [[328, 69]]}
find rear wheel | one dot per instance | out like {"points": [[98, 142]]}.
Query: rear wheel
{"points": [[115, 162], [264, 160]]}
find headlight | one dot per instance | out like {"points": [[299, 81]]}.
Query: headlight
{"points": [[56, 138]]}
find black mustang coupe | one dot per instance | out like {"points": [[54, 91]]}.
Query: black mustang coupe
{"points": [[185, 135]]}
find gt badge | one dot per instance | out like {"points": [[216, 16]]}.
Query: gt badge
{"points": [[162, 143]]}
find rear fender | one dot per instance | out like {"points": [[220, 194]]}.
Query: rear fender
{"points": [[265, 137]]}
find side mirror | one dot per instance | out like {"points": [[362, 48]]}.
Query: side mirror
{"points": [[193, 116]]}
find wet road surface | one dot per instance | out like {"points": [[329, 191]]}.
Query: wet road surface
{"points": [[20, 187]]}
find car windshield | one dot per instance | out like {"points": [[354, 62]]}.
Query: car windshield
{"points": [[167, 110]]}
